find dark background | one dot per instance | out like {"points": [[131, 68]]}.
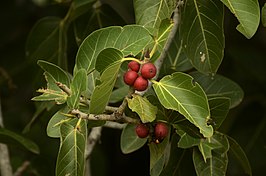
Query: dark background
{"points": [[244, 63]]}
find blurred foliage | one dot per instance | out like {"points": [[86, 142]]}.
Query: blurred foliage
{"points": [[244, 62]]}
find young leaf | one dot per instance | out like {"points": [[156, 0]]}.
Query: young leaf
{"points": [[78, 85], [10, 136], [202, 34], [248, 14], [219, 107], [109, 64], [71, 159], [263, 15], [180, 93], [220, 86], [44, 34], [151, 13], [211, 158], [129, 141], [52, 92], [58, 74], [130, 39], [141, 105], [240, 155]]}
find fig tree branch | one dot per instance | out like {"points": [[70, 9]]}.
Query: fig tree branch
{"points": [[106, 117]]}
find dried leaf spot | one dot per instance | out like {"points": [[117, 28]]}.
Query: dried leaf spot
{"points": [[202, 57]]}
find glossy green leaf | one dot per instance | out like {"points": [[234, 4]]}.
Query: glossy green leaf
{"points": [[202, 34], [248, 14], [53, 127], [52, 92], [129, 141], [151, 13], [78, 85], [180, 93], [219, 107], [211, 158], [141, 105], [58, 74], [240, 155], [220, 86], [109, 62], [175, 59], [71, 158], [263, 15], [7, 136], [130, 39], [42, 42]]}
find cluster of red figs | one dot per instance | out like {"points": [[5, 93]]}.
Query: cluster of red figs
{"points": [[138, 75], [159, 132]]}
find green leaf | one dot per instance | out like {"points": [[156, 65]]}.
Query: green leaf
{"points": [[248, 14], [215, 166], [53, 127], [109, 62], [79, 7], [159, 156], [130, 39], [175, 59], [58, 74], [220, 86], [151, 13], [71, 158], [95, 18], [163, 33], [240, 155], [129, 141], [175, 159], [52, 92], [141, 105], [7, 136], [42, 42], [78, 85], [187, 141], [180, 93], [119, 94], [263, 15], [202, 34], [219, 107], [211, 158]]}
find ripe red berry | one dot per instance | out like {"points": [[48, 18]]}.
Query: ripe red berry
{"points": [[142, 130], [140, 84], [130, 77], [134, 65], [148, 70], [160, 131]]}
